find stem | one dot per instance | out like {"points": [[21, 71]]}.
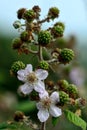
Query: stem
{"points": [[43, 126], [33, 52], [40, 53], [44, 20], [52, 60]]}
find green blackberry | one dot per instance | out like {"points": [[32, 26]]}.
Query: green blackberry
{"points": [[44, 38], [66, 55], [44, 65], [17, 66]]}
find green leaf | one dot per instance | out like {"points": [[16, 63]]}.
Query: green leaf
{"points": [[5, 125], [75, 119], [54, 120]]}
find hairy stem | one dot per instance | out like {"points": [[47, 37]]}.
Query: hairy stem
{"points": [[40, 53], [44, 20], [43, 126]]}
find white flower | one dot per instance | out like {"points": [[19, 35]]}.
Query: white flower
{"points": [[48, 105], [32, 80]]}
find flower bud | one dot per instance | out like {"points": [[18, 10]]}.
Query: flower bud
{"points": [[66, 55], [44, 38], [17, 24], [44, 65], [17, 66], [53, 13]]}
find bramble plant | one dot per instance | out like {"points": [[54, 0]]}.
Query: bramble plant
{"points": [[51, 98]]}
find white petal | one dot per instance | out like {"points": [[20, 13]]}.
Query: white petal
{"points": [[54, 97], [28, 69], [39, 105], [55, 111], [39, 87], [41, 74], [43, 115], [25, 89], [44, 94], [21, 75]]}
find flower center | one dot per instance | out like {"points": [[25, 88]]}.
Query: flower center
{"points": [[32, 78], [46, 102]]}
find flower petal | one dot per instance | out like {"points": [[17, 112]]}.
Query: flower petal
{"points": [[55, 111], [43, 115], [44, 94], [25, 89], [39, 105], [39, 87], [55, 97], [21, 75], [28, 69], [41, 74]]}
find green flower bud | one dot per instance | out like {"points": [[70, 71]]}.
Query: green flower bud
{"points": [[72, 90], [44, 65], [63, 85], [57, 31], [20, 13], [64, 97], [17, 66], [17, 24], [44, 38], [53, 13], [29, 15], [16, 43], [24, 36], [66, 55]]}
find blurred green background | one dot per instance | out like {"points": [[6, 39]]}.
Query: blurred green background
{"points": [[74, 15]]}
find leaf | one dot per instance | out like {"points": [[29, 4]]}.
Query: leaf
{"points": [[5, 125], [75, 119], [54, 120]]}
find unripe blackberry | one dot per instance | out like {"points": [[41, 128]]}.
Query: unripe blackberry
{"points": [[17, 24], [66, 55], [29, 15], [72, 90], [60, 24], [17, 66], [16, 43], [63, 85], [44, 65], [24, 36], [64, 97], [57, 31], [44, 38], [20, 13], [53, 13]]}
